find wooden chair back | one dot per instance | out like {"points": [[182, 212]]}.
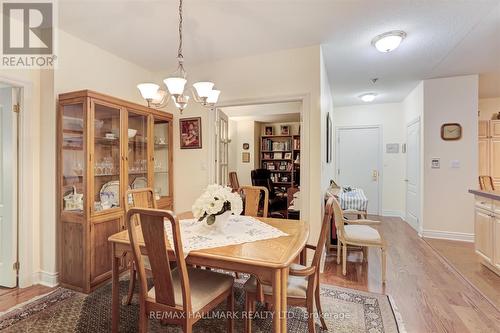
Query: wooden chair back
{"points": [[233, 181], [325, 226], [289, 195], [486, 183], [140, 198], [338, 216], [151, 222], [253, 200]]}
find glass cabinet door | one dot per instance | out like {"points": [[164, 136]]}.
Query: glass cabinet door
{"points": [[73, 157], [106, 157], [161, 159], [137, 150]]}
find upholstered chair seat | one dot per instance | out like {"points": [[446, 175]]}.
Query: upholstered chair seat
{"points": [[361, 233]]}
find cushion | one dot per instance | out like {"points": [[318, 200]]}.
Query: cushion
{"points": [[361, 233], [297, 285], [205, 286]]}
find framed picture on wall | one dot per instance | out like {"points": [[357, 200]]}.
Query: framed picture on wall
{"points": [[329, 133], [245, 157], [269, 130], [285, 130], [190, 133]]}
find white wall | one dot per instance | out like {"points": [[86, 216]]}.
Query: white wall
{"points": [[282, 75], [489, 108], [391, 118], [447, 205], [326, 104], [246, 134]]}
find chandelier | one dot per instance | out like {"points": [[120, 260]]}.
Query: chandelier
{"points": [[203, 93]]}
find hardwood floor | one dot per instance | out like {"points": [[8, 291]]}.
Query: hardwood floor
{"points": [[13, 297], [462, 257], [430, 295]]}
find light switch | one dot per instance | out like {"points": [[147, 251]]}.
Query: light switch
{"points": [[455, 164], [435, 163]]}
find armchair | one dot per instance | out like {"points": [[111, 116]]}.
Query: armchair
{"points": [[277, 199]]}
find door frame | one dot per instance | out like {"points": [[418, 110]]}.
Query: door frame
{"points": [[418, 228], [305, 100], [28, 200], [338, 129]]}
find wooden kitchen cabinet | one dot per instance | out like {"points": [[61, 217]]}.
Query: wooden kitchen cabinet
{"points": [[487, 230]]}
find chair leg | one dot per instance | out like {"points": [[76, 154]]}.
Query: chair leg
{"points": [[143, 320], [344, 259], [339, 255], [384, 264], [365, 253], [237, 275], [188, 327], [318, 307], [230, 310], [248, 310], [310, 320], [131, 285]]}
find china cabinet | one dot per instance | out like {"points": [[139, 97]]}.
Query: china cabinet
{"points": [[105, 147]]}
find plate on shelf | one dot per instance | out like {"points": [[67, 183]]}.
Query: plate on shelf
{"points": [[110, 192], [140, 182]]}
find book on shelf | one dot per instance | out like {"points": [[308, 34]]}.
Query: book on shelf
{"points": [[273, 145], [296, 143]]}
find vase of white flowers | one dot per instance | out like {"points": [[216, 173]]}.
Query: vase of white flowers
{"points": [[216, 205]]}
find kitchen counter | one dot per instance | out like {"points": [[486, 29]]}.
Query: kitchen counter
{"points": [[494, 195]]}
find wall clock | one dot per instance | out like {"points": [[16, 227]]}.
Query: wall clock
{"points": [[451, 131]]}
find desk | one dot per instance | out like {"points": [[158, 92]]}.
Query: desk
{"points": [[267, 259]]}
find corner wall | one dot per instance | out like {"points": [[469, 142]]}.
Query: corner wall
{"points": [[447, 206]]}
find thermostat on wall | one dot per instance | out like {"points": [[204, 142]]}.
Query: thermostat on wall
{"points": [[435, 163]]}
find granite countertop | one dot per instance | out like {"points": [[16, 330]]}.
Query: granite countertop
{"points": [[495, 195]]}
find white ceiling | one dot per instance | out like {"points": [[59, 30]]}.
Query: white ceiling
{"points": [[445, 38]]}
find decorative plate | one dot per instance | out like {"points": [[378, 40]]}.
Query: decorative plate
{"points": [[140, 182], [110, 192]]}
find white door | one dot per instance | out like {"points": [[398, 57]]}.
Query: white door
{"points": [[359, 161], [413, 174], [8, 185], [222, 146]]}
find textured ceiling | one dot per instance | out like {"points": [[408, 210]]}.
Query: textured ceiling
{"points": [[445, 38]]}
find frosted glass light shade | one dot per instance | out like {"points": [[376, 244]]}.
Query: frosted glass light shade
{"points": [[175, 85], [148, 90], [181, 101], [159, 96], [388, 41], [203, 89], [367, 98], [213, 96]]}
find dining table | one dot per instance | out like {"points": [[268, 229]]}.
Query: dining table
{"points": [[268, 260]]}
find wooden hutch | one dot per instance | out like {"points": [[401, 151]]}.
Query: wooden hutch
{"points": [[105, 146]]}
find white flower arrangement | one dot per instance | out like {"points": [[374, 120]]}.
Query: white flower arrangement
{"points": [[215, 201]]}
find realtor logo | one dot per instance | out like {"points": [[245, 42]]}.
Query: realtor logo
{"points": [[28, 35]]}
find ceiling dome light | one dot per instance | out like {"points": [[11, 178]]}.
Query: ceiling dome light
{"points": [[388, 41], [367, 98]]}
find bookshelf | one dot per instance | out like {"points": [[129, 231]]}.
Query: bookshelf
{"points": [[280, 154]]}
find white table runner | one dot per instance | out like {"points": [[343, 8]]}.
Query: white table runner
{"points": [[239, 229]]}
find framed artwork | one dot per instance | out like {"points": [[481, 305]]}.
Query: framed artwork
{"points": [[269, 130], [246, 146], [288, 156], [245, 157], [285, 130], [190, 133], [329, 133]]}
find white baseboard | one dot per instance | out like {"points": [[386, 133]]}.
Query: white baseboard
{"points": [[46, 278], [393, 213], [449, 235]]}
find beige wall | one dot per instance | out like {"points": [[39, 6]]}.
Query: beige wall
{"points": [[391, 119], [447, 206], [294, 72], [326, 106], [489, 108]]}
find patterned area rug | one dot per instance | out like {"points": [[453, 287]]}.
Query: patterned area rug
{"points": [[346, 311]]}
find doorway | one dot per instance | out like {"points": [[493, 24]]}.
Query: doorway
{"points": [[413, 174], [359, 161], [9, 108]]}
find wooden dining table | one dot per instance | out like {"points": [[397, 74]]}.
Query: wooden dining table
{"points": [[268, 260]]}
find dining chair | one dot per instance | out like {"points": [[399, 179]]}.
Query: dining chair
{"points": [[252, 195], [138, 198], [303, 282], [357, 233], [289, 197], [182, 294], [233, 181], [486, 183]]}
